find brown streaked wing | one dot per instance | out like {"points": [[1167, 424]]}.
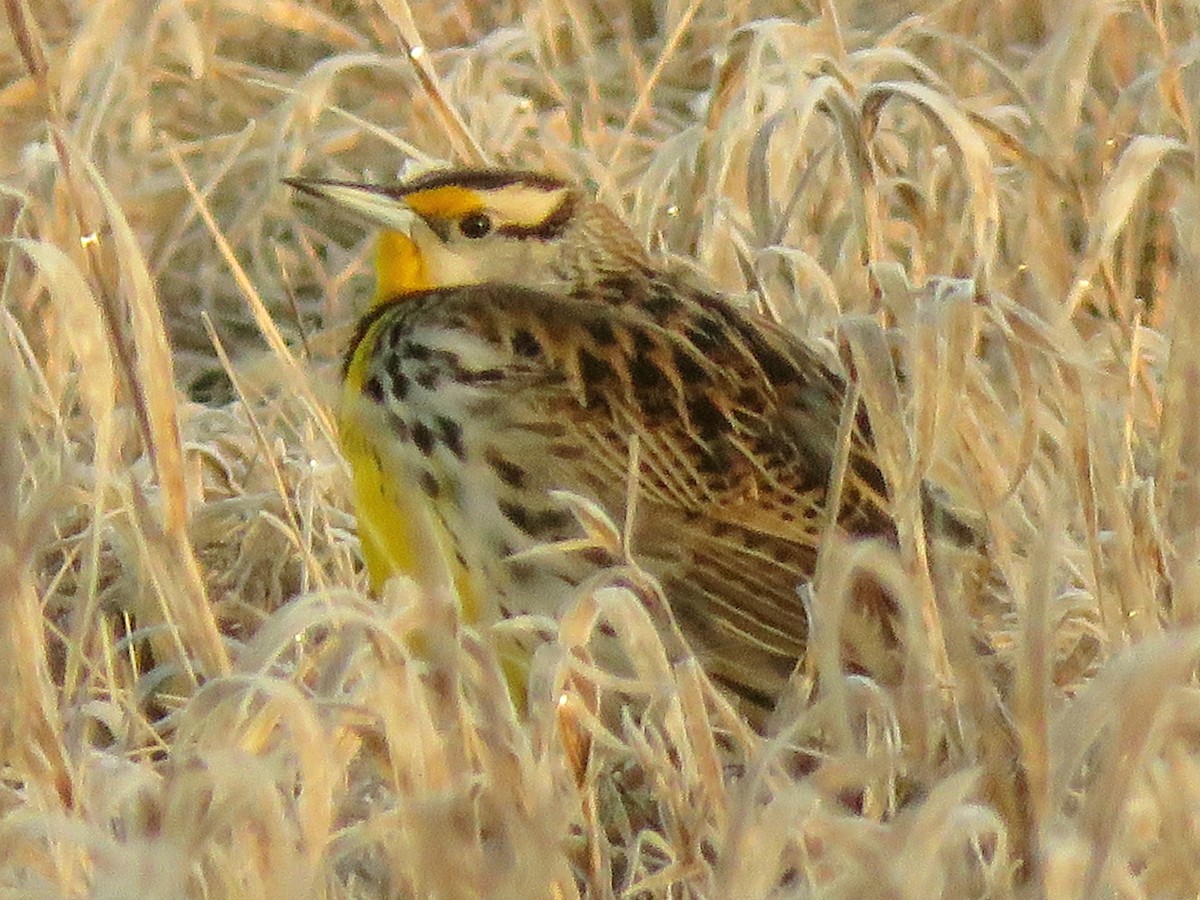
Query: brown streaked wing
{"points": [[737, 423], [736, 418]]}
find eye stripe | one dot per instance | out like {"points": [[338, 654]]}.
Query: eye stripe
{"points": [[549, 228], [520, 210]]}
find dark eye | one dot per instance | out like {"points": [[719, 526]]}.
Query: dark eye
{"points": [[475, 225]]}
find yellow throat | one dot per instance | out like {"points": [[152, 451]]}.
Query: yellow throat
{"points": [[399, 268]]}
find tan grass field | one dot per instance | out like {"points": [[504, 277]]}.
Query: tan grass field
{"points": [[200, 698]]}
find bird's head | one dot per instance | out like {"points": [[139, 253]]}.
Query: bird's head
{"points": [[469, 226]]}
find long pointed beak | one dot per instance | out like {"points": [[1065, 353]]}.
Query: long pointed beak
{"points": [[369, 202]]}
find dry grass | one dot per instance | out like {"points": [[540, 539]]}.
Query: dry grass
{"points": [[201, 700]]}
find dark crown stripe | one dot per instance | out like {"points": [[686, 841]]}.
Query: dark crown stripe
{"points": [[478, 179]]}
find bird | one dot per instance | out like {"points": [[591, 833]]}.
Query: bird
{"points": [[524, 348]]}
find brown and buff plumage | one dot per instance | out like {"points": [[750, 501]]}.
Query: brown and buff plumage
{"points": [[490, 398]]}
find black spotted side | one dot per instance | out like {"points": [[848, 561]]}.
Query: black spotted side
{"points": [[523, 393]]}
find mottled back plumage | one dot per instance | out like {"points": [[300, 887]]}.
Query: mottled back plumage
{"points": [[500, 395], [558, 343]]}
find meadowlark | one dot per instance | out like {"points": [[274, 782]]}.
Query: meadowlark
{"points": [[523, 340]]}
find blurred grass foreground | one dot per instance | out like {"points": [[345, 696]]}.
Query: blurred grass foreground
{"points": [[199, 698]]}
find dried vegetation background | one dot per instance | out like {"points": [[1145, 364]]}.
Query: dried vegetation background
{"points": [[199, 698]]}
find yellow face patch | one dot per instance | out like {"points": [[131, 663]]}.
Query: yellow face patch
{"points": [[446, 202], [399, 268], [433, 255], [513, 204]]}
